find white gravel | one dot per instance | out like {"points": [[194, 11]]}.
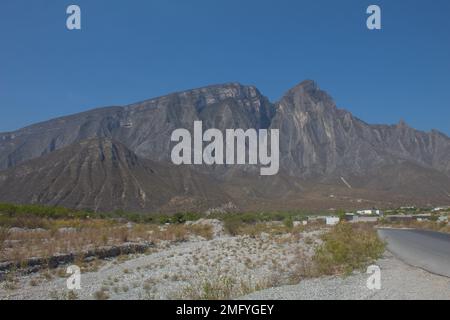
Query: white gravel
{"points": [[398, 282], [165, 273]]}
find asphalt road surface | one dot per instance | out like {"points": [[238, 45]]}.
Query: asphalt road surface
{"points": [[423, 249]]}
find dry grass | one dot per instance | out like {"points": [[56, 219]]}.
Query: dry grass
{"points": [[24, 244], [219, 287], [4, 235], [237, 228], [74, 236], [63, 295], [301, 267], [101, 294], [203, 230], [422, 225]]}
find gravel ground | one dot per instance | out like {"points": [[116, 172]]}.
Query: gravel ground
{"points": [[398, 282], [181, 270], [178, 270]]}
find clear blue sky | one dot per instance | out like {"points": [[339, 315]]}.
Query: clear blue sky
{"points": [[132, 50]]}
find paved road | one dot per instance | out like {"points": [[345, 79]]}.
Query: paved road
{"points": [[424, 249]]}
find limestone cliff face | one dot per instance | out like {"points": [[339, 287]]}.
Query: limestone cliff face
{"points": [[320, 139], [145, 127]]}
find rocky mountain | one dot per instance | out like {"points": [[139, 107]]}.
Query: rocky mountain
{"points": [[320, 139], [325, 153], [145, 127], [103, 175]]}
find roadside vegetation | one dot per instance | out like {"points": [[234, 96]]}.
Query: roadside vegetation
{"points": [[421, 225], [348, 247]]}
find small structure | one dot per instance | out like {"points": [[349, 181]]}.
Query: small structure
{"points": [[349, 216], [357, 219], [300, 223], [440, 209], [370, 212], [423, 217], [331, 221]]}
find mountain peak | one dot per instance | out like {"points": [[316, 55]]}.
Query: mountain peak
{"points": [[212, 93], [402, 124], [307, 95], [307, 86]]}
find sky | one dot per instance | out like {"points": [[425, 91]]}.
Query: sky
{"points": [[129, 51]]}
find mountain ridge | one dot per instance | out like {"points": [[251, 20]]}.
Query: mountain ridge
{"points": [[320, 144], [101, 174]]}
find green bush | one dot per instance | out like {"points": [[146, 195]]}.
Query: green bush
{"points": [[13, 210], [232, 226], [288, 222], [348, 247]]}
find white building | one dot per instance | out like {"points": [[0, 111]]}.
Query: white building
{"points": [[440, 209], [331, 221], [370, 212]]}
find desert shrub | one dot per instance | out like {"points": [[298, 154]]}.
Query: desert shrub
{"points": [[101, 295], [218, 287], [9, 209], [173, 232], [223, 287], [4, 234], [232, 226], [421, 225], [348, 247], [14, 210], [202, 230], [184, 217], [178, 218], [288, 222]]}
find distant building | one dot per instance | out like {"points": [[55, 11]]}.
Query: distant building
{"points": [[370, 212], [440, 209], [357, 219], [423, 217], [331, 221], [349, 216], [354, 218], [300, 223]]}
